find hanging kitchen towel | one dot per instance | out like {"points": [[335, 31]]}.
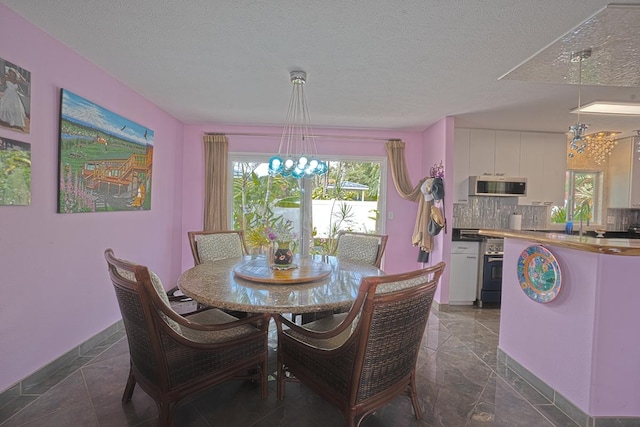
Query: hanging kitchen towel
{"points": [[437, 189], [436, 221]]}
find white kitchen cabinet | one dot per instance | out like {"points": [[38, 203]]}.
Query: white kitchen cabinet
{"points": [[543, 161], [463, 278], [507, 153], [494, 152], [482, 152], [623, 175], [554, 169], [461, 166]]}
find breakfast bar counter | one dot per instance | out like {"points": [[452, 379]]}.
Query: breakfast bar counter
{"points": [[579, 346], [582, 243]]}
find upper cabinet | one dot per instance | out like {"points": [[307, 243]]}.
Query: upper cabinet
{"points": [[494, 152], [507, 153], [483, 152], [461, 166], [543, 161], [539, 157], [623, 175]]}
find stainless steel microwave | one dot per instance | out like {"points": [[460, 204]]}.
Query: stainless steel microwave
{"points": [[497, 185]]}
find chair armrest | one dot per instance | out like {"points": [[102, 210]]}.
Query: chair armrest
{"points": [[257, 320], [171, 294], [341, 327]]}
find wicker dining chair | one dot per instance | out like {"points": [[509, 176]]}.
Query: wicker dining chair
{"points": [[173, 357], [352, 246], [361, 247], [361, 360], [215, 245]]}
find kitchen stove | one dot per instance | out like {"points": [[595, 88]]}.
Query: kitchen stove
{"points": [[494, 247], [490, 289]]}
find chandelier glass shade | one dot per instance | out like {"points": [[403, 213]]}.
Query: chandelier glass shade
{"points": [[600, 144], [297, 155]]}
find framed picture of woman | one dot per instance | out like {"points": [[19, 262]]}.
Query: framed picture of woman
{"points": [[15, 97]]}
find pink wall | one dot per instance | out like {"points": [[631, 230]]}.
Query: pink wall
{"points": [[55, 289], [400, 254], [438, 143]]}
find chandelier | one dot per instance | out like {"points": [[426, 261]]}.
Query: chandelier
{"points": [[577, 143], [299, 158], [600, 144]]}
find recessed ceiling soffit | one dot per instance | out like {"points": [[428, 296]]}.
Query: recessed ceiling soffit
{"points": [[612, 35]]}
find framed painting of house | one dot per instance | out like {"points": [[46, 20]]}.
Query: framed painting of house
{"points": [[105, 160], [15, 97], [15, 172]]}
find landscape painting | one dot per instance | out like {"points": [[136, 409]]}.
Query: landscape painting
{"points": [[15, 97], [15, 172], [105, 159]]}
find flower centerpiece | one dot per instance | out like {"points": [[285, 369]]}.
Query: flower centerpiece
{"points": [[282, 236]]}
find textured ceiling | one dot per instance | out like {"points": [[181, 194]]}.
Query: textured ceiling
{"points": [[370, 63]]}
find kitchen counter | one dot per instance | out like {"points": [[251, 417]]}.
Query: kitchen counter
{"points": [[629, 247]]}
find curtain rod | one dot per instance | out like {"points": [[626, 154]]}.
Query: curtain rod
{"points": [[278, 135]]}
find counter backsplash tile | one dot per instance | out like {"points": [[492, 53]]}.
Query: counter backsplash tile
{"points": [[494, 212], [622, 219]]}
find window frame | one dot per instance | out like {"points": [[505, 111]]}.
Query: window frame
{"points": [[597, 210], [264, 158]]}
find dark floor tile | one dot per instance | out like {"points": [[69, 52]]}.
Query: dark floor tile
{"points": [[9, 395], [55, 378], [556, 416], [234, 403], [292, 416], [105, 344], [14, 406], [75, 415], [69, 393], [506, 406], [119, 348], [105, 381], [524, 388]]}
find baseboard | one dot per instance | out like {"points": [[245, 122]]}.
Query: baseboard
{"points": [[440, 307], [559, 401]]}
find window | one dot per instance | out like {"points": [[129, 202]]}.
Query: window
{"points": [[349, 197], [583, 198]]}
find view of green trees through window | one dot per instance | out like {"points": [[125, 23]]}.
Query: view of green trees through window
{"points": [[582, 198], [346, 198]]}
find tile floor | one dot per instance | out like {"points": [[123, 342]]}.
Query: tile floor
{"points": [[461, 383]]}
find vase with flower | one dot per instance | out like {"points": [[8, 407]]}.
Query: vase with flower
{"points": [[282, 238]]}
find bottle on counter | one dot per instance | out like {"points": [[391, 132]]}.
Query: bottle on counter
{"points": [[569, 227]]}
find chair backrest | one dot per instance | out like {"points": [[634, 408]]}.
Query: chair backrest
{"points": [[362, 247], [390, 327], [134, 290], [215, 245]]}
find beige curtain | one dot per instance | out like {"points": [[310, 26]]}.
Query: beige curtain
{"points": [[395, 152], [216, 150]]}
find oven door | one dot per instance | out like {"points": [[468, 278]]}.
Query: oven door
{"points": [[492, 273], [491, 290]]}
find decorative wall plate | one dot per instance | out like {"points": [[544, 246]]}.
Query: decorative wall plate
{"points": [[539, 274]]}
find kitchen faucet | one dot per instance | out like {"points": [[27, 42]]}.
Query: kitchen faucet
{"points": [[584, 205]]}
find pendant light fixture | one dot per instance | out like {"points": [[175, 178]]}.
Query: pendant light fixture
{"points": [[578, 144], [299, 158]]}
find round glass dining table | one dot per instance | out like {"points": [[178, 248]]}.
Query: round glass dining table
{"points": [[319, 283]]}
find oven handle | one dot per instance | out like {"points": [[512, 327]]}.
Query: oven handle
{"points": [[499, 259]]}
